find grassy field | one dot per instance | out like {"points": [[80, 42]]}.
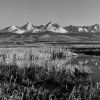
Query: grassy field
{"points": [[46, 73]]}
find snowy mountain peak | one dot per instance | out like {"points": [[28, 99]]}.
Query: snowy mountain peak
{"points": [[28, 26], [52, 24], [55, 27], [12, 28]]}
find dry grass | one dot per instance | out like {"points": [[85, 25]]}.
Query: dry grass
{"points": [[44, 74]]}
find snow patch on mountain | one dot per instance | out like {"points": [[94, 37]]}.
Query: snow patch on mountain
{"points": [[19, 31], [35, 30], [80, 29]]}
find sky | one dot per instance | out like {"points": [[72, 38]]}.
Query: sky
{"points": [[64, 12]]}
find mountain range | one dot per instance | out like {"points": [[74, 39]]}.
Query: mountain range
{"points": [[51, 26], [51, 32]]}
